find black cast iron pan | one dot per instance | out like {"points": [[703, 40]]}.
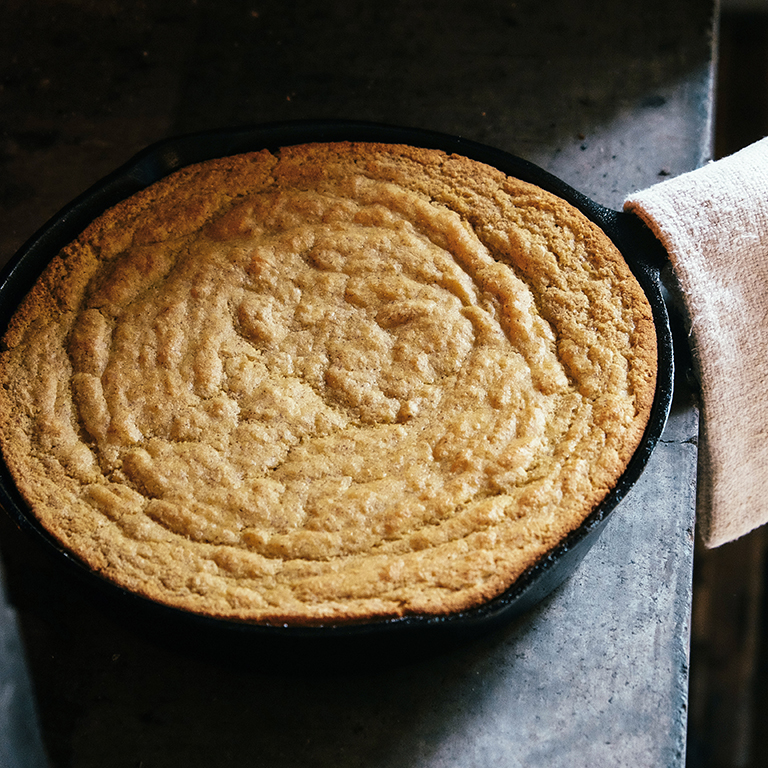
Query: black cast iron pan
{"points": [[640, 249]]}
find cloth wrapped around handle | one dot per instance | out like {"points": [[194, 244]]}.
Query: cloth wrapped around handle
{"points": [[713, 223]]}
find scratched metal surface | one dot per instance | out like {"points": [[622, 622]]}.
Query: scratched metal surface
{"points": [[610, 100]]}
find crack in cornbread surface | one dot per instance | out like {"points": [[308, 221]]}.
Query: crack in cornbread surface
{"points": [[336, 383]]}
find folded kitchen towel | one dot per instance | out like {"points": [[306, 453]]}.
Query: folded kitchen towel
{"points": [[713, 223]]}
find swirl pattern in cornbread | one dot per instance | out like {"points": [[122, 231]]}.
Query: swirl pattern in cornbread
{"points": [[334, 383]]}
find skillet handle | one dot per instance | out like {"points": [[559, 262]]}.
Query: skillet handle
{"points": [[638, 244]]}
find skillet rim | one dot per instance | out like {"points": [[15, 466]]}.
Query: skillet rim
{"points": [[641, 250]]}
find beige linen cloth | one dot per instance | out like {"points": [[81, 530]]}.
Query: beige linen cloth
{"points": [[713, 223]]}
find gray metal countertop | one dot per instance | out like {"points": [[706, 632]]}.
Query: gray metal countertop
{"points": [[608, 96]]}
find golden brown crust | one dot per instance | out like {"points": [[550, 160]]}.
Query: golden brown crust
{"points": [[339, 383]]}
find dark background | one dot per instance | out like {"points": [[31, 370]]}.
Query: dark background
{"points": [[729, 645]]}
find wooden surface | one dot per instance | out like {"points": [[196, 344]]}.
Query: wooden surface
{"points": [[729, 644]]}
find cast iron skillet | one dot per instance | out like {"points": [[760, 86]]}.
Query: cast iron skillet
{"points": [[640, 249]]}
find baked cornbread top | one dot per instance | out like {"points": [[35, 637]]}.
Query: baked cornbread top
{"points": [[336, 383]]}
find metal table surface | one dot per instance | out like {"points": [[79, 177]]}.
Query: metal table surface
{"points": [[611, 99]]}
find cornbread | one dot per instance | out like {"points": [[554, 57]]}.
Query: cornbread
{"points": [[335, 383]]}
